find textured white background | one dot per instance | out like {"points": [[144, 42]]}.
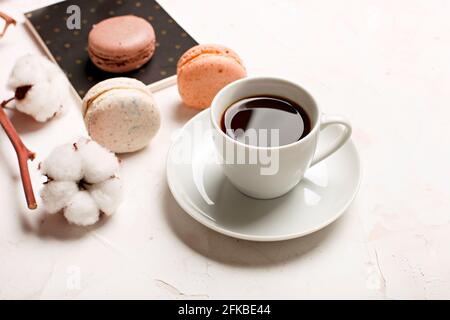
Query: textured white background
{"points": [[384, 64]]}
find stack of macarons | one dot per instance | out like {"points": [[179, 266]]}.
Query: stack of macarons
{"points": [[120, 113]]}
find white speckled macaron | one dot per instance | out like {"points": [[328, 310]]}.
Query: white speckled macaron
{"points": [[121, 114]]}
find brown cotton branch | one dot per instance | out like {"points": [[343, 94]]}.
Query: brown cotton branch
{"points": [[8, 21], [5, 103], [23, 155]]}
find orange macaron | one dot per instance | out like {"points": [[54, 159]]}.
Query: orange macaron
{"points": [[205, 69]]}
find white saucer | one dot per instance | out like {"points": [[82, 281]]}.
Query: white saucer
{"points": [[200, 188]]}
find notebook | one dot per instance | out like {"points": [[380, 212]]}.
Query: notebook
{"points": [[68, 48]]}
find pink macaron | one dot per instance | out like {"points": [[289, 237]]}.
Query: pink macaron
{"points": [[205, 69], [121, 44]]}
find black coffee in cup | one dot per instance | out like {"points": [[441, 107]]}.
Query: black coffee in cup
{"points": [[266, 121]]}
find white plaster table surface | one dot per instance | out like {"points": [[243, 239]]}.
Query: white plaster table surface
{"points": [[384, 64]]}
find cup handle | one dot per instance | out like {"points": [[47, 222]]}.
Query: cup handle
{"points": [[328, 120]]}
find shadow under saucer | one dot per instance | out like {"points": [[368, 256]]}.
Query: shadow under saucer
{"points": [[231, 251]]}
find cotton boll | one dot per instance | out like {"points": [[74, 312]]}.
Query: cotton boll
{"points": [[82, 209], [83, 182], [49, 87], [61, 90], [64, 163], [56, 194], [44, 100], [99, 164], [28, 70], [107, 195], [39, 104]]}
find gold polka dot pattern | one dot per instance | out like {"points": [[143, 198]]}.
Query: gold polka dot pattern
{"points": [[69, 47]]}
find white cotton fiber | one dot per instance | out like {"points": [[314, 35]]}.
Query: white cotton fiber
{"points": [[49, 87], [82, 209], [29, 70], [63, 164], [107, 195], [83, 182], [56, 194], [38, 104], [99, 164]]}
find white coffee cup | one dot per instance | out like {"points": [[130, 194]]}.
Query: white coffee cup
{"points": [[270, 172]]}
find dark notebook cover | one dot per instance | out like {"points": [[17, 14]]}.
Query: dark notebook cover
{"points": [[69, 47]]}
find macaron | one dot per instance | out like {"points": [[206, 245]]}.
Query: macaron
{"points": [[205, 69], [121, 44], [121, 114]]}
